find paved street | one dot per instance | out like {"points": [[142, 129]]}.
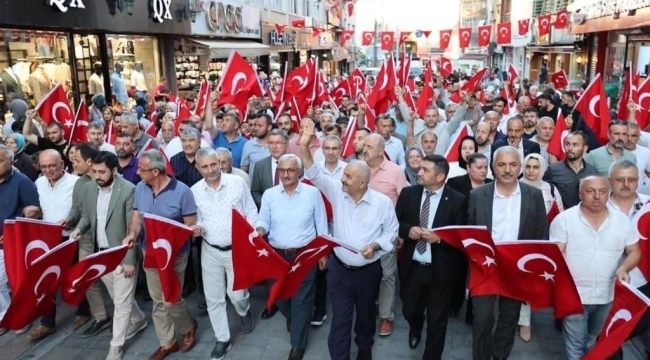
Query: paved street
{"points": [[270, 341]]}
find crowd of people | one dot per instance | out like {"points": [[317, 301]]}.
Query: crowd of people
{"points": [[386, 197]]}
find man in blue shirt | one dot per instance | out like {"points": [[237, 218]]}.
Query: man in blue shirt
{"points": [[161, 195], [118, 86], [228, 137]]}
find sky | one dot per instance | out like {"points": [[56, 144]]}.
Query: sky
{"points": [[404, 15]]}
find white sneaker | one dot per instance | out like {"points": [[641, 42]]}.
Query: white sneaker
{"points": [[135, 328], [115, 353], [23, 330]]}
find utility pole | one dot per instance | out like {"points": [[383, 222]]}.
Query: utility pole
{"points": [[374, 46]]}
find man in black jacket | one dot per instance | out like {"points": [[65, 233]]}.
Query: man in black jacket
{"points": [[515, 132]]}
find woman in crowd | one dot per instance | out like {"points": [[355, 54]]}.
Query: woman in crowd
{"points": [[22, 161], [467, 147], [414, 157], [98, 102]]}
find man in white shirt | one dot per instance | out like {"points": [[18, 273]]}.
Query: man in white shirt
{"points": [[642, 153], [225, 165], [95, 133], [216, 195], [593, 237]]}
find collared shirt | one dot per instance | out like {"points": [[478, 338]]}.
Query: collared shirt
{"points": [[337, 173], [242, 174], [107, 147], [372, 219], [506, 215], [119, 88], [602, 159], [274, 168], [292, 221], [395, 150], [103, 200], [567, 181], [56, 201], [388, 179], [16, 192], [215, 207], [130, 171], [252, 153], [593, 255], [184, 170], [236, 147], [294, 147], [137, 81], [175, 146], [434, 201]]}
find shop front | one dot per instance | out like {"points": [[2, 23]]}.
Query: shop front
{"points": [[220, 28], [77, 43], [283, 49]]}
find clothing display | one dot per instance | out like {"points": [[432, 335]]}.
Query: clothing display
{"points": [[137, 81], [96, 84], [40, 84], [11, 84]]}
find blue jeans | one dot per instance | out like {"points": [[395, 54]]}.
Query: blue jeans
{"points": [[579, 332]]}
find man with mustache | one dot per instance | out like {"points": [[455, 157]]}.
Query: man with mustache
{"points": [[603, 157]]}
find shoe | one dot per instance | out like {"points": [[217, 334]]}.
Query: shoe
{"points": [[203, 305], [386, 327], [414, 339], [79, 321], [525, 333], [189, 339], [364, 355], [97, 327], [318, 320], [23, 330], [219, 351], [296, 354], [3, 331], [247, 322], [135, 328], [115, 353], [39, 333], [267, 314], [163, 352]]}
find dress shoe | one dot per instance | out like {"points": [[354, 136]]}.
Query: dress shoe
{"points": [[296, 354], [189, 339], [414, 340], [247, 322], [525, 333], [163, 352], [96, 327], [386, 327], [220, 349], [267, 314], [40, 332], [364, 355], [79, 321]]}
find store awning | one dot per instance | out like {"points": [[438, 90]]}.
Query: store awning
{"points": [[557, 49], [222, 49]]}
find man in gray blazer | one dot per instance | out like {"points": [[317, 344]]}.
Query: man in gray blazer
{"points": [[511, 210], [264, 176], [108, 206]]}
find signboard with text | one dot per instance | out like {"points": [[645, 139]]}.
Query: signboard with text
{"points": [[228, 19]]}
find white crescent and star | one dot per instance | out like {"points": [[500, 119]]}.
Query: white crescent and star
{"points": [[315, 252], [563, 136], [622, 314], [386, 38], [445, 36], [235, 81], [592, 105], [251, 237], [99, 268], [488, 260], [384, 82], [504, 31], [368, 36], [54, 269], [165, 245], [544, 22], [446, 64], [336, 96], [56, 107], [563, 16], [33, 245], [466, 34], [521, 264], [485, 33]]}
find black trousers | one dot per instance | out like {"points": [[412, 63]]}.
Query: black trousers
{"points": [[459, 287], [320, 301], [419, 293], [486, 343], [641, 327]]}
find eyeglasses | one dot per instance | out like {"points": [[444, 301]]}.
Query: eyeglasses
{"points": [[288, 171]]}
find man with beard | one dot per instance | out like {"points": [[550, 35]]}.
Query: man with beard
{"points": [[95, 133], [127, 162], [543, 133], [515, 131], [285, 123], [359, 143], [603, 157], [257, 147], [530, 122], [443, 130], [54, 139], [566, 175], [642, 153], [482, 137], [546, 107]]}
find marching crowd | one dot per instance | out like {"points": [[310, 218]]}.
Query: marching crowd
{"points": [[469, 162]]}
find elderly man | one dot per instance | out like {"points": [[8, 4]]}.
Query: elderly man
{"points": [[492, 118], [177, 146], [266, 173], [95, 133], [217, 194], [161, 195], [325, 119], [292, 215], [130, 125], [543, 133], [428, 142], [364, 219], [515, 140], [599, 246], [226, 165]]}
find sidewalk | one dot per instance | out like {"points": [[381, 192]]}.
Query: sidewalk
{"points": [[270, 341]]}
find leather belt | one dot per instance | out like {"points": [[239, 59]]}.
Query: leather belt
{"points": [[289, 252], [422, 265], [220, 248], [350, 267]]}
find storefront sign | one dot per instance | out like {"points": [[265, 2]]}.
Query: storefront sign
{"points": [[598, 9], [64, 5], [224, 17], [279, 39], [161, 10], [229, 19]]}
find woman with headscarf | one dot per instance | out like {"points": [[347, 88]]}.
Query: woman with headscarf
{"points": [[534, 169], [18, 109], [95, 110], [22, 161], [414, 156], [467, 147]]}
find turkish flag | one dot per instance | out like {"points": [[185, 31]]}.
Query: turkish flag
{"points": [[426, 96], [287, 286], [367, 37], [348, 140], [561, 19], [342, 89], [523, 27], [183, 114], [426, 33], [380, 95], [110, 129], [592, 105], [301, 81], [357, 83], [322, 95], [345, 36], [76, 282], [445, 67], [317, 31], [253, 259], [370, 112], [54, 107], [630, 305], [408, 99], [641, 221], [504, 33], [164, 240], [559, 79], [484, 33], [328, 205], [553, 211], [387, 40], [79, 131], [475, 81], [24, 241], [464, 35], [410, 84], [203, 98], [238, 83], [404, 36], [151, 130], [404, 69], [42, 279], [279, 28], [643, 103], [512, 74], [299, 23], [556, 143], [452, 151], [544, 24], [445, 36], [629, 93]]}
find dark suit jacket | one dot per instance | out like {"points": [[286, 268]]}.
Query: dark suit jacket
{"points": [[530, 147], [261, 180], [452, 210], [463, 184], [533, 224]]}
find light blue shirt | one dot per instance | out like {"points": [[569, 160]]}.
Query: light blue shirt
{"points": [[119, 89], [395, 150], [292, 221], [252, 153], [434, 201]]}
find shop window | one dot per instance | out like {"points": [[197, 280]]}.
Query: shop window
{"points": [[89, 69], [32, 63]]}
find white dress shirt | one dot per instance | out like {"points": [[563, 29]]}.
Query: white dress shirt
{"points": [[56, 201], [214, 207], [506, 215], [242, 174], [274, 167], [434, 201], [372, 219], [103, 199], [338, 171]]}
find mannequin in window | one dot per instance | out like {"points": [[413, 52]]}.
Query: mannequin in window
{"points": [[138, 84], [96, 80], [118, 86], [40, 83], [12, 85]]}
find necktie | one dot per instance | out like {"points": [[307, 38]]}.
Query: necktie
{"points": [[421, 245], [276, 177]]}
